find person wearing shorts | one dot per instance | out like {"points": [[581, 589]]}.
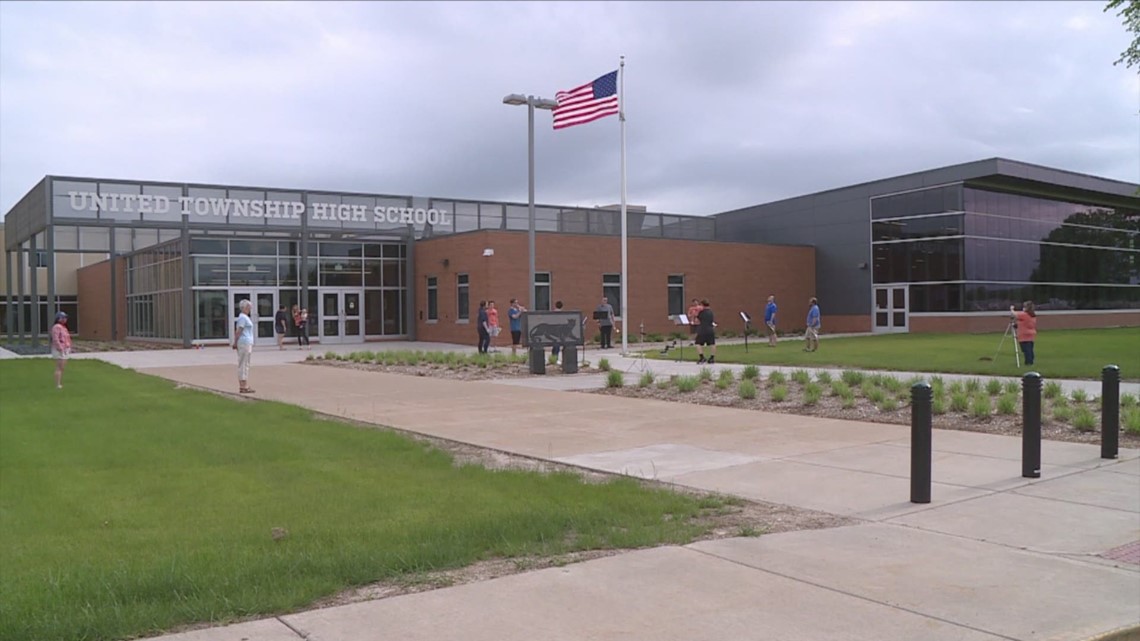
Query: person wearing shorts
{"points": [[706, 333], [770, 320], [60, 346], [811, 334]]}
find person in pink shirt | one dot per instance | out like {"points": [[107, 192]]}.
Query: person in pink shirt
{"points": [[60, 346], [1026, 321]]}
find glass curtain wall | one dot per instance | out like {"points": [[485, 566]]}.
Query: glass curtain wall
{"points": [[963, 249], [154, 293]]}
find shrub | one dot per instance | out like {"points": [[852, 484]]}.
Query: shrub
{"points": [[839, 388], [1131, 420], [993, 387], [779, 393], [665, 383], [1052, 389], [728, 334], [848, 401], [938, 385], [892, 384], [980, 406], [331, 356], [889, 404], [823, 378], [654, 337], [646, 380], [959, 401], [747, 389], [1084, 420], [687, 384], [750, 373], [812, 392], [973, 385], [726, 375], [1079, 396], [801, 376], [615, 379], [875, 395], [722, 384], [852, 377], [705, 374], [867, 388], [604, 364], [956, 388], [777, 378], [1061, 401], [1007, 404], [1013, 387], [1128, 400], [1062, 413], [938, 406]]}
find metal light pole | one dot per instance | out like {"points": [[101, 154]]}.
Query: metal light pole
{"points": [[531, 102]]}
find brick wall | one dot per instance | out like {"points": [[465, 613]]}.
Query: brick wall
{"points": [[1045, 321], [94, 284], [733, 276]]}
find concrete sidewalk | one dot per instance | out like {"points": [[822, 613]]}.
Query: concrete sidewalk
{"points": [[994, 556]]}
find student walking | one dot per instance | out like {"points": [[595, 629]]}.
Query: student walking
{"points": [[1026, 321], [606, 322], [279, 323], [484, 328], [770, 320], [60, 346], [514, 316], [811, 334], [301, 323]]}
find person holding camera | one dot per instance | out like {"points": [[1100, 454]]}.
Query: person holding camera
{"points": [[1025, 322]]}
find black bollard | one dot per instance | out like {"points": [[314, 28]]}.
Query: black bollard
{"points": [[537, 360], [570, 359], [1110, 412], [920, 442], [1031, 425]]}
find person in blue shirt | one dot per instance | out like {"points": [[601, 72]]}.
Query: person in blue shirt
{"points": [[514, 314], [770, 320], [243, 343], [811, 335]]}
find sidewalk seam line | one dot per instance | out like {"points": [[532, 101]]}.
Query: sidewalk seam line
{"points": [[291, 628], [853, 595]]}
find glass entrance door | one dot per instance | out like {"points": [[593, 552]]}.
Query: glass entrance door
{"points": [[340, 316], [891, 304], [264, 308]]}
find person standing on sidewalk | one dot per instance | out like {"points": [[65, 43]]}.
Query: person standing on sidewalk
{"points": [[483, 327], [492, 322], [606, 322], [60, 346], [243, 344], [694, 312], [770, 320], [279, 320], [811, 334], [706, 333]]}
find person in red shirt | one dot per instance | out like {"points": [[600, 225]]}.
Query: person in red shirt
{"points": [[60, 346], [492, 320], [1026, 321]]}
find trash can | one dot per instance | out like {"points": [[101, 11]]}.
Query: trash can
{"points": [[537, 360], [570, 359]]}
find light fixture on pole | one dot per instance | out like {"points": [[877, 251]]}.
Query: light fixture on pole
{"points": [[532, 103]]}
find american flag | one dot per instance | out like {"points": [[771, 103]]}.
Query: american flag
{"points": [[587, 103]]}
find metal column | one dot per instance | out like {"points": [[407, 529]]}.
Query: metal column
{"points": [[21, 278], [187, 285], [53, 304], [410, 284], [35, 293], [114, 285], [9, 311]]}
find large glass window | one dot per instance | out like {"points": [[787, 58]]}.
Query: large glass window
{"points": [[210, 313], [611, 289], [432, 298], [917, 203], [542, 291], [463, 297], [676, 287]]}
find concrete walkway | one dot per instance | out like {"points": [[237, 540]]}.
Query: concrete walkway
{"points": [[994, 556]]}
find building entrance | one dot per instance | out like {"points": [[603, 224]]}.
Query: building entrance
{"points": [[339, 317], [891, 309], [264, 307]]}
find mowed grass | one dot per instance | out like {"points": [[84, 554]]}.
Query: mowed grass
{"points": [[128, 507], [1074, 353]]}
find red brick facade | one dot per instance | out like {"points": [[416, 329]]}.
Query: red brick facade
{"points": [[95, 300], [733, 276]]}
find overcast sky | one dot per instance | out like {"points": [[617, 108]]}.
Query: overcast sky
{"points": [[727, 104]]}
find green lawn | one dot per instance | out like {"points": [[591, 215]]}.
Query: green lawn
{"points": [[128, 507], [1075, 353]]}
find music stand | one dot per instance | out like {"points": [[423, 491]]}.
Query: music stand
{"points": [[747, 319], [680, 319]]}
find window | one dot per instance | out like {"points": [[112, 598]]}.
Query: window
{"points": [[676, 295], [432, 299], [38, 259], [611, 289], [542, 291], [463, 297]]}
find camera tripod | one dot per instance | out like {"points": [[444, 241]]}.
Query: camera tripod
{"points": [[1010, 331]]}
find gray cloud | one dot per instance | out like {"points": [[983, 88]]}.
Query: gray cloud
{"points": [[728, 104]]}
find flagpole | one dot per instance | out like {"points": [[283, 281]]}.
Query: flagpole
{"points": [[624, 234]]}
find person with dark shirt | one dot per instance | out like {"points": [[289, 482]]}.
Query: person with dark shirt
{"points": [[484, 328], [606, 322], [279, 320], [706, 333]]}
